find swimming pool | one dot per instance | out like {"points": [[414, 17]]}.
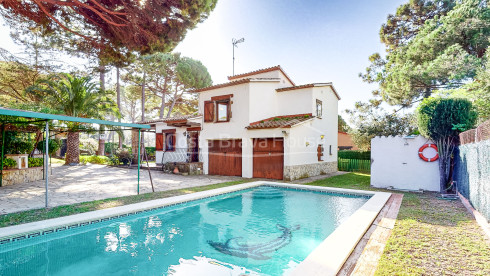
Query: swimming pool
{"points": [[262, 230]]}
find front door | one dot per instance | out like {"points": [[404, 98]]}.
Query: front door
{"points": [[193, 146]]}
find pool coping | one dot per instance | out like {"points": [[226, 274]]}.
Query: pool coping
{"points": [[321, 261]]}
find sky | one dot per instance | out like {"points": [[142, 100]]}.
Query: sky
{"points": [[312, 40]]}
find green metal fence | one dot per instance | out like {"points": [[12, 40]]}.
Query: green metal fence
{"points": [[354, 165]]}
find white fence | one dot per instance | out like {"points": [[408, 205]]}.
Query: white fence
{"points": [[395, 163]]}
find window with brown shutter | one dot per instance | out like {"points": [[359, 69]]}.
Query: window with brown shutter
{"points": [[208, 111], [159, 141]]}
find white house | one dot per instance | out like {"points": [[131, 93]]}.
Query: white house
{"points": [[259, 124]]}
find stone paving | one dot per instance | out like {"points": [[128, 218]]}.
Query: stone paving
{"points": [[75, 184]]}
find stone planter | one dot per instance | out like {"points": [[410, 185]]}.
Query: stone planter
{"points": [[13, 177], [194, 168], [21, 160]]}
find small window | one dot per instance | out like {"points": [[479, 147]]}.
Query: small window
{"points": [[319, 108], [223, 111], [170, 141]]}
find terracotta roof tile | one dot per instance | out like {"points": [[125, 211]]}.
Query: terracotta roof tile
{"points": [[221, 85], [308, 86], [285, 121], [171, 119], [260, 71]]}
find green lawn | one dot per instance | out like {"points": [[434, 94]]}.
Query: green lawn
{"points": [[431, 236], [42, 214]]}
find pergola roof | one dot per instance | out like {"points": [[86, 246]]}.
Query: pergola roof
{"points": [[45, 116]]}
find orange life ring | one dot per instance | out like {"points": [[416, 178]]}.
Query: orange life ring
{"points": [[421, 153]]}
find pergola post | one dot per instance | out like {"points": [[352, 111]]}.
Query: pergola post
{"points": [[139, 157], [3, 148], [46, 161]]}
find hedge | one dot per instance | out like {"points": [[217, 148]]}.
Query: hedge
{"points": [[9, 163], [355, 154], [35, 162], [95, 159]]}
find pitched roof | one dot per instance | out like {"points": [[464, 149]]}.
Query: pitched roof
{"points": [[284, 121], [221, 85], [260, 71], [308, 86], [171, 119]]}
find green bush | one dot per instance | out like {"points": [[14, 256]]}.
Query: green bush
{"points": [[53, 146], [355, 154], [150, 151], [35, 162], [9, 163], [95, 159], [124, 156]]}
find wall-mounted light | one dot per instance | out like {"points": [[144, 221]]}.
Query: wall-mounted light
{"points": [[285, 133], [307, 143], [322, 136]]}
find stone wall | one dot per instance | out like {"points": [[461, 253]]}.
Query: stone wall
{"points": [[12, 177], [194, 168], [308, 170]]}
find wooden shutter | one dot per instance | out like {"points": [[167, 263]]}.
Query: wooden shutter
{"points": [[159, 141], [208, 111]]}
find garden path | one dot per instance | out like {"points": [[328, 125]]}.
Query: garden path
{"points": [[76, 184]]}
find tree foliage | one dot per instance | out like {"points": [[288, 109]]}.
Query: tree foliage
{"points": [[169, 76], [142, 26], [401, 27], [445, 51], [342, 125], [370, 120], [442, 120], [75, 96]]}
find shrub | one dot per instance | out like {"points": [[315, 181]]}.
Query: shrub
{"points": [[9, 163], [124, 156], [53, 146], [89, 145], [442, 119], [35, 162], [95, 159], [355, 154], [150, 151]]}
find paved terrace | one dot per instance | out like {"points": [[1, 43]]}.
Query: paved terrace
{"points": [[75, 184]]}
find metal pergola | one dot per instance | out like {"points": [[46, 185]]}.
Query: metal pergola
{"points": [[37, 116]]}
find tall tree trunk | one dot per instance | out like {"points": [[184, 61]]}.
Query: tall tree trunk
{"points": [[72, 148], [118, 95], [143, 97], [176, 96], [164, 93], [101, 150]]}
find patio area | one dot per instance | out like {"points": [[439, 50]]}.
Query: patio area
{"points": [[76, 184]]}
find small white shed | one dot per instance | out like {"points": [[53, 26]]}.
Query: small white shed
{"points": [[395, 163]]}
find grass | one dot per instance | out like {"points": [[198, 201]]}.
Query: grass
{"points": [[431, 236], [60, 211]]}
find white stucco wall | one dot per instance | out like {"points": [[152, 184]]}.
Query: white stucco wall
{"points": [[259, 100], [396, 163], [180, 142], [311, 131]]}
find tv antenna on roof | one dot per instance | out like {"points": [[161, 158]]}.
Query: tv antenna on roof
{"points": [[234, 42]]}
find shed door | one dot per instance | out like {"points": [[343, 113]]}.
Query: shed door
{"points": [[268, 159], [225, 157]]}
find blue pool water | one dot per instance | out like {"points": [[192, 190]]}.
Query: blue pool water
{"points": [[260, 231]]}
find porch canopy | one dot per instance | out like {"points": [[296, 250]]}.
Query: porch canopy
{"points": [[10, 116]]}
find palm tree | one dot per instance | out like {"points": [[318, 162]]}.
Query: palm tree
{"points": [[74, 96]]}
